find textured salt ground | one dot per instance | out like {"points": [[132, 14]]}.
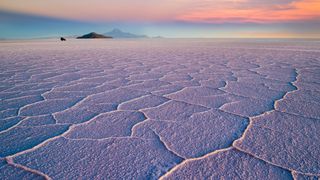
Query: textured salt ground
{"points": [[196, 135], [295, 141], [149, 109], [304, 177], [109, 158], [227, 164]]}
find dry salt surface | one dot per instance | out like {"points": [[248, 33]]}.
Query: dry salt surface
{"points": [[160, 109]]}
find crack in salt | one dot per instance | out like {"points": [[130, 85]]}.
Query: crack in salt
{"points": [[11, 162]]}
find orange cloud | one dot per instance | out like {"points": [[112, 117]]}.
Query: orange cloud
{"points": [[294, 11], [97, 10]]}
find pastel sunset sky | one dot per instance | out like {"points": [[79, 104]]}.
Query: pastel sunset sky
{"points": [[169, 18]]}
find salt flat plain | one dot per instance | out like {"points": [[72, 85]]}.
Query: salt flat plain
{"points": [[160, 108]]}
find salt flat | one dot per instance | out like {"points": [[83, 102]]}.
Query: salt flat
{"points": [[160, 108]]}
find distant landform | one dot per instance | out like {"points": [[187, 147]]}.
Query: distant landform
{"points": [[117, 33], [93, 35], [114, 33]]}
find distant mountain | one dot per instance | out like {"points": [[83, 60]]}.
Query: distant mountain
{"points": [[93, 35], [117, 33], [158, 37]]}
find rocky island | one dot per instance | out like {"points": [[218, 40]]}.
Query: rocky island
{"points": [[93, 35]]}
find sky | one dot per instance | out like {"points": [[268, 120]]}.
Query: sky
{"points": [[168, 18]]}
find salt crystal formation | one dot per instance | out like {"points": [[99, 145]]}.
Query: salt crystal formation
{"points": [[160, 109]]}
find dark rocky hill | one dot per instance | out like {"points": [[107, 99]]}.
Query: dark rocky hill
{"points": [[93, 35]]}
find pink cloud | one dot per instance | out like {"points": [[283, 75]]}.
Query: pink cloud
{"points": [[208, 11], [293, 11]]}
